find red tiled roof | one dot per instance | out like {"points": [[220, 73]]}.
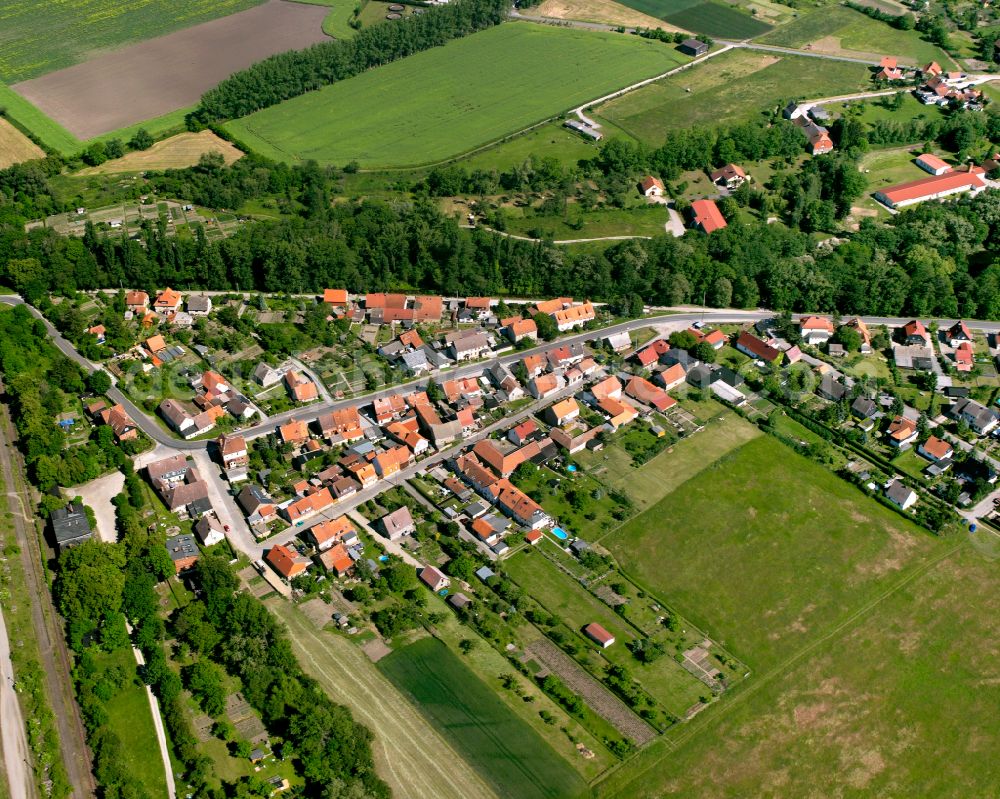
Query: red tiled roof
{"points": [[928, 187], [707, 215]]}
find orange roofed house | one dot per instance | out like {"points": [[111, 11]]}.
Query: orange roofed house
{"points": [[574, 316], [336, 298], [137, 302], [285, 562], [295, 432], [168, 301], [706, 216], [301, 387], [651, 187]]}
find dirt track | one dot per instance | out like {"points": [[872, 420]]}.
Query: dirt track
{"points": [[158, 76]]}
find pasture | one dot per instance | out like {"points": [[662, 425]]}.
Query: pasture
{"points": [[410, 753], [900, 701], [767, 550], [15, 147], [40, 36], [736, 86], [504, 749], [177, 152], [656, 478], [839, 30], [150, 79], [442, 102]]}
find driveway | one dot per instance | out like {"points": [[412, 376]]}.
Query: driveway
{"points": [[97, 494]]}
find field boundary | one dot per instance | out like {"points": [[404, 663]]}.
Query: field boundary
{"points": [[748, 689]]}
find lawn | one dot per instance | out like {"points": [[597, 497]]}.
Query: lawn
{"points": [[505, 750], [656, 478], [40, 36], [798, 548], [48, 131], [442, 102], [402, 735], [130, 717], [644, 220], [842, 31], [548, 141], [865, 713], [572, 499], [335, 24], [664, 679], [733, 87]]}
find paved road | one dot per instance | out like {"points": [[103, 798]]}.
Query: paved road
{"points": [[15, 742]]}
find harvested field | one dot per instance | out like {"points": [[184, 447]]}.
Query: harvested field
{"points": [[154, 77], [599, 698], [15, 147], [606, 11], [177, 152], [410, 753]]}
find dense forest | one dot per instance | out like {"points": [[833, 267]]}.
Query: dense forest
{"points": [[933, 259], [290, 74]]}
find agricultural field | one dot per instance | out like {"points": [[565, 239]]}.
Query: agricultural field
{"points": [[842, 31], [177, 152], [662, 474], [703, 16], [867, 709], [337, 18], [40, 36], [15, 147], [123, 87], [49, 132], [607, 12], [410, 752], [801, 547], [446, 101], [503, 748], [735, 86]]}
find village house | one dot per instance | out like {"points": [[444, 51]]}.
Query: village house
{"points": [[651, 187], [693, 47], [652, 352], [391, 461], [619, 342], [468, 345], [199, 305], [266, 375], [706, 216], [210, 530], [120, 423], [136, 302], [818, 136], [340, 425], [671, 377], [518, 505], [258, 507], [545, 385], [234, 455], [70, 526], [900, 495], [902, 432], [336, 298], [936, 449], [980, 419], [964, 357], [562, 412], [858, 325], [294, 432], [645, 392], [574, 316], [286, 562], [914, 332], [815, 329], [749, 344], [521, 329], [434, 579], [303, 507], [167, 301], [300, 387], [729, 177], [522, 433], [183, 551], [958, 333], [327, 533], [99, 332]]}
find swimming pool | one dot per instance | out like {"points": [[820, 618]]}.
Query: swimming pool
{"points": [[571, 468], [559, 533]]}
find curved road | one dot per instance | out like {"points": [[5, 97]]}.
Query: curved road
{"points": [[660, 314]]}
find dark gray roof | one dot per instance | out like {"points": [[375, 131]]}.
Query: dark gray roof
{"points": [[897, 492], [70, 524]]}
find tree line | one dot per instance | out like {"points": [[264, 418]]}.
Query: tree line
{"points": [[286, 75]]}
